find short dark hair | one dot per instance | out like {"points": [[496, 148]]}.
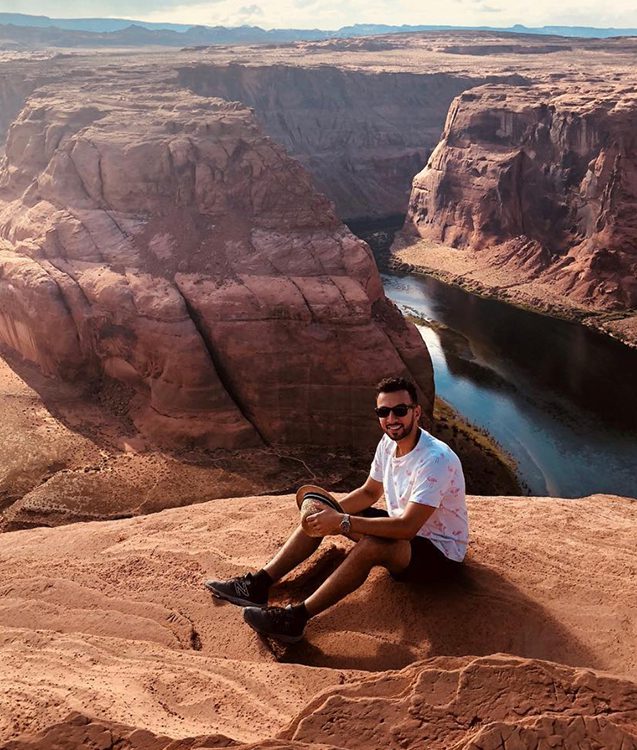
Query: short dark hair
{"points": [[391, 385]]}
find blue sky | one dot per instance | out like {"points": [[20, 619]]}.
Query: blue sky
{"points": [[331, 14]]}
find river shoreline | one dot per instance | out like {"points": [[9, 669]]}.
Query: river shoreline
{"points": [[557, 396], [551, 391], [408, 258], [487, 466]]}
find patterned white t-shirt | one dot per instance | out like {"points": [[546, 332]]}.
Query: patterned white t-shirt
{"points": [[430, 474]]}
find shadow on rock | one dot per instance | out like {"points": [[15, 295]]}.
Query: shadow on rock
{"points": [[388, 625]]}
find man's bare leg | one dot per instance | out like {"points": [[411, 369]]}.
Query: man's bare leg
{"points": [[393, 554], [288, 624], [298, 548], [253, 589]]}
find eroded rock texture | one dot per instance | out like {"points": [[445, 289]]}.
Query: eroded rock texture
{"points": [[14, 89], [361, 135], [543, 181], [475, 704], [161, 240], [464, 703]]}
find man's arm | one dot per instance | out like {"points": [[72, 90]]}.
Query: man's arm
{"points": [[363, 497], [405, 526]]}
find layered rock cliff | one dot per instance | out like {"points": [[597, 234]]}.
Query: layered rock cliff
{"points": [[542, 182], [361, 135], [160, 240]]}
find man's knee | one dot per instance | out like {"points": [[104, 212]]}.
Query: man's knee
{"points": [[393, 554], [300, 532], [376, 547]]}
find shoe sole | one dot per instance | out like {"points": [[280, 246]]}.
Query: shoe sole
{"points": [[281, 638], [233, 599]]}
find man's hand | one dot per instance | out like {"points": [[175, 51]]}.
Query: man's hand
{"points": [[324, 523]]}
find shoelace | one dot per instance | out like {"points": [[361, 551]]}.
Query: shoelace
{"points": [[282, 616]]}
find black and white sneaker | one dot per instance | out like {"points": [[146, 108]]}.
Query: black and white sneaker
{"points": [[246, 591], [284, 624]]}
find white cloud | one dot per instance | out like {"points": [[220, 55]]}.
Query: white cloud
{"points": [[330, 14], [251, 10]]}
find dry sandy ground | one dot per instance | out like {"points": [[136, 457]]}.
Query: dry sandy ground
{"points": [[110, 619]]}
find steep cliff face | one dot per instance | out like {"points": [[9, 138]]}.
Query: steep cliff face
{"points": [[15, 87], [161, 240], [361, 135], [542, 181]]}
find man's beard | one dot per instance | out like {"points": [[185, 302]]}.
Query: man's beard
{"points": [[402, 432]]}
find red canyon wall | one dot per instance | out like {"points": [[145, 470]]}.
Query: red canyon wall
{"points": [[540, 179], [361, 135]]}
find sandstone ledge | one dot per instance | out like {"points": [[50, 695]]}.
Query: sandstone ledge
{"points": [[110, 619]]}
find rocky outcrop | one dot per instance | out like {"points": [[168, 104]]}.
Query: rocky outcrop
{"points": [[160, 240], [111, 620], [467, 703], [540, 181], [461, 703], [361, 135]]}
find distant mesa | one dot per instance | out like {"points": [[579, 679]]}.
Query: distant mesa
{"points": [[113, 31]]}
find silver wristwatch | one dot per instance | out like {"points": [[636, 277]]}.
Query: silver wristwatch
{"points": [[346, 524]]}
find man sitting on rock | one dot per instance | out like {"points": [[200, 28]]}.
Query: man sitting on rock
{"points": [[421, 537]]}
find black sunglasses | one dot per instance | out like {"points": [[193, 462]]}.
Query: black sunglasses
{"points": [[400, 410]]}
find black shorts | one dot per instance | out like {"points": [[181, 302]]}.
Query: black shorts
{"points": [[427, 564]]}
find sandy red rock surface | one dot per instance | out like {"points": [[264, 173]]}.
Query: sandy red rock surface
{"points": [[110, 619]]}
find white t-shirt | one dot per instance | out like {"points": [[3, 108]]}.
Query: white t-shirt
{"points": [[430, 474]]}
